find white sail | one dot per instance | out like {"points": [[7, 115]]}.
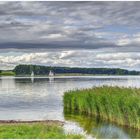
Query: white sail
{"points": [[32, 74], [51, 73]]}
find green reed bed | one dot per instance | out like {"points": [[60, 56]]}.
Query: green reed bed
{"points": [[116, 104]]}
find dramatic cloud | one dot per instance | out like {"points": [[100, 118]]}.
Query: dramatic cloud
{"points": [[89, 34]]}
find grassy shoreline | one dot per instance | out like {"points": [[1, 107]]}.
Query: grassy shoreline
{"points": [[34, 130], [7, 73], [114, 104]]}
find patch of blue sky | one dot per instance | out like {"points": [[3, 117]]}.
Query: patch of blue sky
{"points": [[32, 18], [120, 29]]}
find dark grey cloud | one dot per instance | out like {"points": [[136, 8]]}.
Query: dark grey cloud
{"points": [[65, 23], [56, 45]]}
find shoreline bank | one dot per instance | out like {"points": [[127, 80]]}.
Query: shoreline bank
{"points": [[56, 122]]}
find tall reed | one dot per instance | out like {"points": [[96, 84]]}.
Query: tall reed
{"points": [[116, 104]]}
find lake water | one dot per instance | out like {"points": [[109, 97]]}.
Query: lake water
{"points": [[24, 98]]}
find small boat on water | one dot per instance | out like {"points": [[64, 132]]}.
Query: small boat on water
{"points": [[51, 74], [32, 74]]}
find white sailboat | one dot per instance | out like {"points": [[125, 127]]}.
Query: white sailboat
{"points": [[32, 74], [51, 73]]}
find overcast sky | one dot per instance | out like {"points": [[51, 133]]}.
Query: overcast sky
{"points": [[75, 34]]}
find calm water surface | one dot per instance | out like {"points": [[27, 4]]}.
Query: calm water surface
{"points": [[41, 99]]}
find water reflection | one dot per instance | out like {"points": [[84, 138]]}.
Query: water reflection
{"points": [[111, 132], [44, 95], [7, 84], [101, 129], [51, 79], [41, 98], [32, 79]]}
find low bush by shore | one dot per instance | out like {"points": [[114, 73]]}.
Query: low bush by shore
{"points": [[115, 104], [7, 73], [34, 130]]}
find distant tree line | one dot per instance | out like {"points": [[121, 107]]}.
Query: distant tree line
{"points": [[44, 70]]}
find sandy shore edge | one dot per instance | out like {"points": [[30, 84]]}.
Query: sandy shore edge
{"points": [[48, 122]]}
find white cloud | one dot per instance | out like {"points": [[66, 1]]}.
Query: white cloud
{"points": [[126, 60], [126, 40], [74, 58]]}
